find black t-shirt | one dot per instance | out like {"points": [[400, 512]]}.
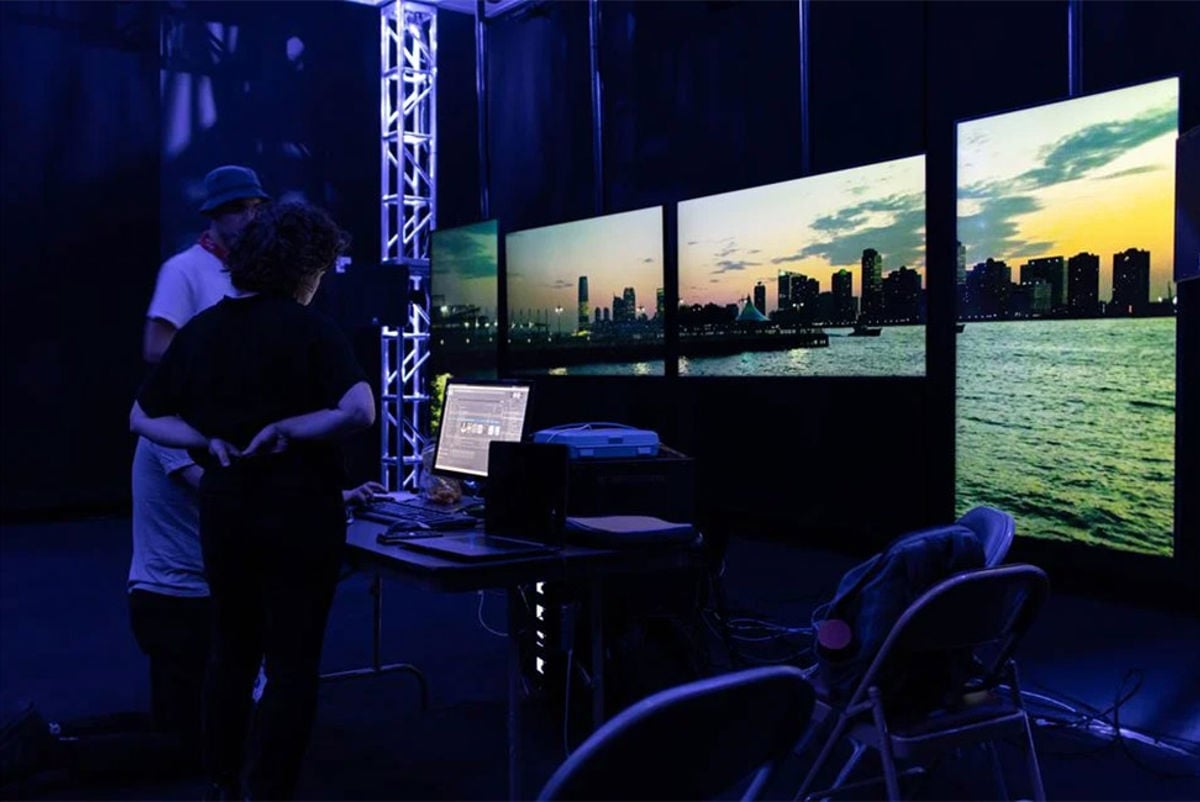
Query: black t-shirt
{"points": [[247, 362]]}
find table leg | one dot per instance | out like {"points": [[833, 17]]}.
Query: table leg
{"points": [[597, 639], [377, 667], [515, 623]]}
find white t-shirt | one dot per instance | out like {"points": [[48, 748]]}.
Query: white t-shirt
{"points": [[166, 519], [166, 524], [188, 283]]}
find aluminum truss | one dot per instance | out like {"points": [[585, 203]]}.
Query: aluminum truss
{"points": [[408, 150]]}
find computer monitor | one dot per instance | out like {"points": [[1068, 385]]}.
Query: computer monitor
{"points": [[476, 412]]}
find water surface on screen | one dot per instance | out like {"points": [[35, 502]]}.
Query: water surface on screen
{"points": [[819, 276], [1066, 358]]}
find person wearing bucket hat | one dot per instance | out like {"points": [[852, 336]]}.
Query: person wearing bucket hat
{"points": [[169, 602], [194, 279], [272, 516]]}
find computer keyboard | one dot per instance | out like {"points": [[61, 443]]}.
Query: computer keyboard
{"points": [[415, 513]]}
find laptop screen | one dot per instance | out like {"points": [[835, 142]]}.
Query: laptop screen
{"points": [[476, 412]]}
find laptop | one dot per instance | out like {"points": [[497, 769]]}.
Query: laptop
{"points": [[525, 509]]}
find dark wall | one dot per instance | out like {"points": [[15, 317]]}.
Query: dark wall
{"points": [[103, 163], [79, 157], [295, 96], [539, 115]]}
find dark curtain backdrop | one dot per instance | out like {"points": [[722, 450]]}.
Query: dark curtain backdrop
{"points": [[103, 165], [539, 115], [79, 155], [293, 95], [698, 98], [457, 122]]}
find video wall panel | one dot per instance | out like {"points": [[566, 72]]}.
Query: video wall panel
{"points": [[1066, 358], [819, 276], [586, 297], [464, 301]]}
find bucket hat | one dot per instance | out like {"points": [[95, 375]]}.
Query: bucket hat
{"points": [[230, 183]]}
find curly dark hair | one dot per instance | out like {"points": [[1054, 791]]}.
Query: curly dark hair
{"points": [[285, 244]]}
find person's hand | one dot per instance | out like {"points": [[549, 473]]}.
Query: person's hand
{"points": [[223, 451], [363, 493], [271, 440]]}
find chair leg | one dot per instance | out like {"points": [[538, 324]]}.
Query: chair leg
{"points": [[885, 748], [834, 736], [997, 770], [1031, 763], [849, 765]]}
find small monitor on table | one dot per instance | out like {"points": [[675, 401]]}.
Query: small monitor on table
{"points": [[476, 412]]}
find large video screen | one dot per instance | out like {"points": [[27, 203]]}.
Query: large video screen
{"points": [[1066, 355], [586, 297], [818, 276], [463, 301]]}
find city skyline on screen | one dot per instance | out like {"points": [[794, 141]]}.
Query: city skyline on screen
{"points": [[1091, 175], [544, 266], [814, 226]]}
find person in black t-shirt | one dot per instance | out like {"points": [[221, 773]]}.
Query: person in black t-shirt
{"points": [[261, 390]]}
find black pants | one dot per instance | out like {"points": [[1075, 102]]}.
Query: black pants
{"points": [[272, 560], [174, 633]]}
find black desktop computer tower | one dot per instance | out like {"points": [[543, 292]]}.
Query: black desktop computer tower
{"points": [[651, 620]]}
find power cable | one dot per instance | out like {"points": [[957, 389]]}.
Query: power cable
{"points": [[1106, 723]]}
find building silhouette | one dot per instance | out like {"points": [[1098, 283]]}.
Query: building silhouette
{"points": [[872, 284], [1083, 284], [902, 295], [845, 308], [798, 297], [1052, 270], [1131, 282], [1030, 299], [989, 285], [584, 315]]}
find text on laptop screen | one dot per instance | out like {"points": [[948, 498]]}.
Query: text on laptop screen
{"points": [[474, 413]]}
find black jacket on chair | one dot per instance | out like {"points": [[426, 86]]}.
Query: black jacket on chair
{"points": [[872, 596]]}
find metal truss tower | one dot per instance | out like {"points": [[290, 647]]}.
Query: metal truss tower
{"points": [[408, 205]]}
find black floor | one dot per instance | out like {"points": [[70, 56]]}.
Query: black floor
{"points": [[65, 644]]}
